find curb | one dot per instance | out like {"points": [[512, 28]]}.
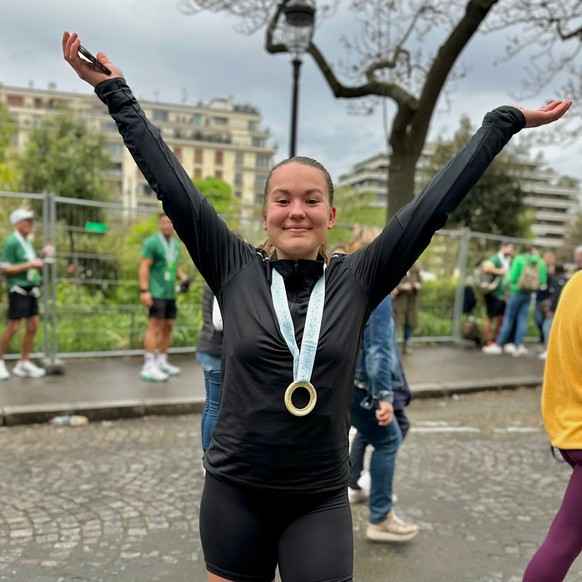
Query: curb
{"points": [[18, 415]]}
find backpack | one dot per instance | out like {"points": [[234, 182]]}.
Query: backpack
{"points": [[485, 282], [529, 278]]}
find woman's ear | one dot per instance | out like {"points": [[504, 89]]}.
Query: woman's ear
{"points": [[331, 221]]}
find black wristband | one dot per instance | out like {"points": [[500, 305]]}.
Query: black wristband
{"points": [[144, 290]]}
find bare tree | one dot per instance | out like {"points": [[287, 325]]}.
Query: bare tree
{"points": [[388, 59]]}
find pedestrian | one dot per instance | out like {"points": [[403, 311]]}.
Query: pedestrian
{"points": [[577, 257], [542, 294], [497, 267], [158, 273], [406, 305], [378, 377], [548, 306], [208, 354], [562, 414], [21, 266], [277, 466], [526, 275]]}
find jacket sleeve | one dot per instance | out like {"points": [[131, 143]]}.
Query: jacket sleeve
{"points": [[379, 357], [214, 249], [384, 262]]}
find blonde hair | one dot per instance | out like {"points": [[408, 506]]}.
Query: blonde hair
{"points": [[362, 236]]}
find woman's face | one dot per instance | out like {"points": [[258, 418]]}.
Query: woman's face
{"points": [[297, 214]]}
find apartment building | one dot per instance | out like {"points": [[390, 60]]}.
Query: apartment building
{"points": [[554, 198], [222, 139]]}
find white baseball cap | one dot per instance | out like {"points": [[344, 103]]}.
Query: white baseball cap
{"points": [[20, 214]]}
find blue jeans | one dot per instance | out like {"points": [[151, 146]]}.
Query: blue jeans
{"points": [[516, 314], [211, 367], [385, 440]]}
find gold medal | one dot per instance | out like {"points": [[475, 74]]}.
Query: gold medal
{"points": [[289, 395]]}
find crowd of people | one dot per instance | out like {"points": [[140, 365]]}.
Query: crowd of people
{"points": [[299, 344]]}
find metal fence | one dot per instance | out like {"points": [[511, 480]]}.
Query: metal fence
{"points": [[90, 303]]}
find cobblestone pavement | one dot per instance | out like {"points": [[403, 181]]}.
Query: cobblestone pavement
{"points": [[119, 500]]}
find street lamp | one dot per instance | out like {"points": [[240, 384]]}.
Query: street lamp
{"points": [[298, 30]]}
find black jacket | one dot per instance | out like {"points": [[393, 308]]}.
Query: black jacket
{"points": [[256, 441]]}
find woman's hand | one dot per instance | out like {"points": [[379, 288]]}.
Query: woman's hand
{"points": [[547, 114], [87, 71], [384, 412]]}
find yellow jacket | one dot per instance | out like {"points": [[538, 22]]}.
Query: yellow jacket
{"points": [[562, 389]]}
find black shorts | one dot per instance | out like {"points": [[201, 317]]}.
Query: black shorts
{"points": [[163, 309], [495, 306], [21, 306], [248, 532]]}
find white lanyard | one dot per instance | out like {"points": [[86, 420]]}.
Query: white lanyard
{"points": [[304, 358]]}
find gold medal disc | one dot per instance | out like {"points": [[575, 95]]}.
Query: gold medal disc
{"points": [[289, 395]]}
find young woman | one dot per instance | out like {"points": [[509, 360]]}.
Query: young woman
{"points": [[275, 493], [562, 412]]}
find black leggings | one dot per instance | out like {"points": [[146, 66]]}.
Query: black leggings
{"points": [[247, 532]]}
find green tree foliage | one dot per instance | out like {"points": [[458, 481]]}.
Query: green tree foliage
{"points": [[218, 192], [63, 156], [7, 165], [496, 203], [354, 208]]}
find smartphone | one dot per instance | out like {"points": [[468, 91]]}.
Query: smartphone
{"points": [[84, 52]]}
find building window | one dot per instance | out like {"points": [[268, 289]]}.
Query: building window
{"points": [[15, 100], [198, 173], [197, 156], [218, 158], [178, 152], [238, 179], [220, 121], [197, 119], [146, 190], [260, 182], [160, 115], [258, 142], [218, 174], [239, 159], [114, 149], [253, 125], [37, 103], [262, 161]]}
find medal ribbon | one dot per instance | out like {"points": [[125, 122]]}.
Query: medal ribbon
{"points": [[303, 359]]}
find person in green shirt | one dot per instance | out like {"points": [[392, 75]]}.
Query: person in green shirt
{"points": [[21, 266], [527, 274], [497, 266], [158, 272]]}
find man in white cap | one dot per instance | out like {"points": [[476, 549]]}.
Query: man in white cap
{"points": [[21, 266]]}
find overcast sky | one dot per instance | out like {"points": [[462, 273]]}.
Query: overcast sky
{"points": [[168, 56]]}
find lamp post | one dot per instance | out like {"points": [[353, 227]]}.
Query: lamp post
{"points": [[298, 30]]}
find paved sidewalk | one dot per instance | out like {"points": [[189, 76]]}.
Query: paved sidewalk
{"points": [[108, 388]]}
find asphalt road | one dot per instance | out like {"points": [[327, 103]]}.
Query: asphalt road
{"points": [[119, 500]]}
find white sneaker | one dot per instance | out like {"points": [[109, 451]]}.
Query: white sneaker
{"points": [[151, 373], [492, 349], [543, 355], [26, 369], [4, 373], [169, 369], [520, 351], [509, 348], [356, 496]]}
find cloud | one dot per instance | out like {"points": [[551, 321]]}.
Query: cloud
{"points": [[170, 56]]}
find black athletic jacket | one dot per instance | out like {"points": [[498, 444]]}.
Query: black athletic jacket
{"points": [[257, 442]]}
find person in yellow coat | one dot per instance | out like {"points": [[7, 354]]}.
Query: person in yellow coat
{"points": [[562, 412]]}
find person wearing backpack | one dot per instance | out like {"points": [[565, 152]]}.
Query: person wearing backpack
{"points": [[527, 274], [497, 267]]}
